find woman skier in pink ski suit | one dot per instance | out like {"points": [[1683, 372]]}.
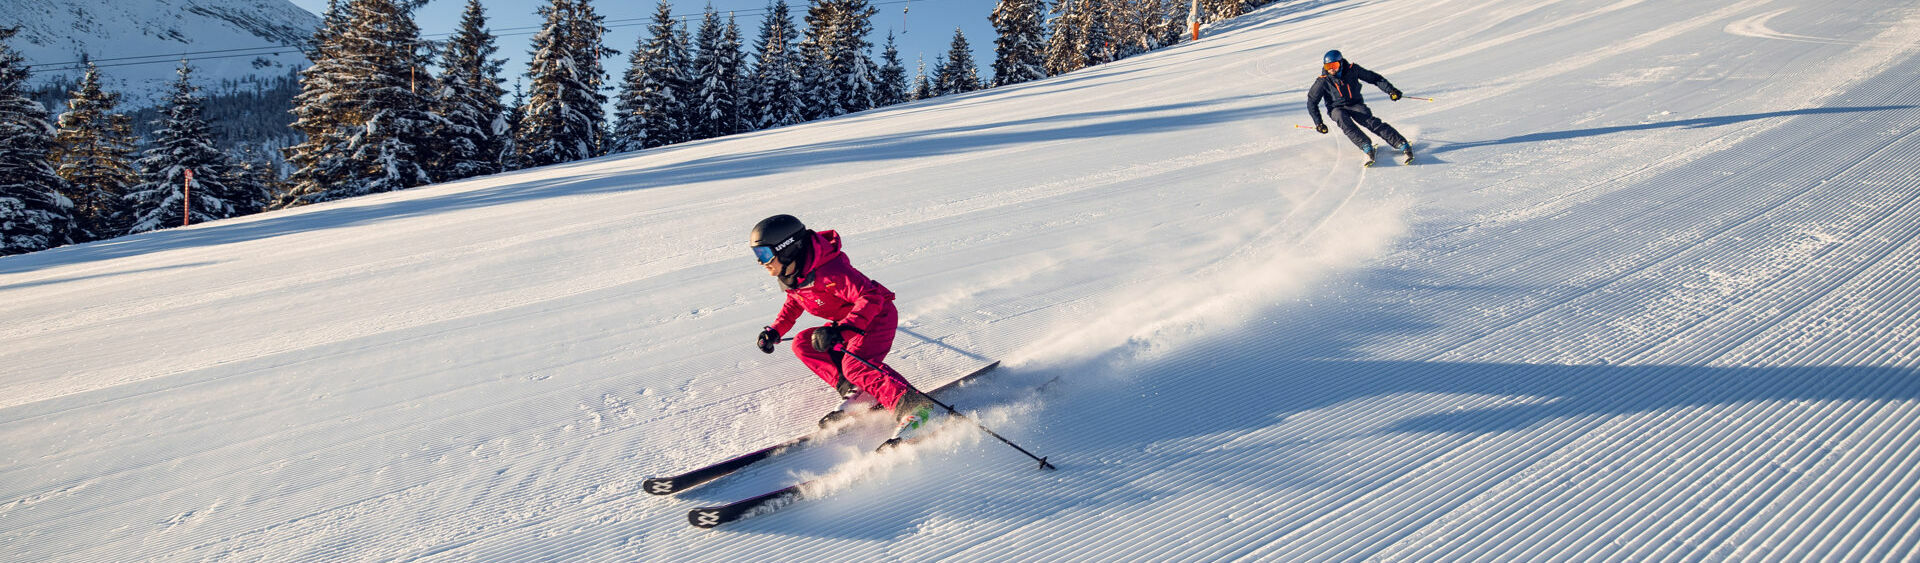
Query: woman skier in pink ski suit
{"points": [[861, 317]]}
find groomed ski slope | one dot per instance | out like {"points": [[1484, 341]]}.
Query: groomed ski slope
{"points": [[1650, 295]]}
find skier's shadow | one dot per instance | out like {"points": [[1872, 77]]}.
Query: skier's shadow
{"points": [[1695, 123]]}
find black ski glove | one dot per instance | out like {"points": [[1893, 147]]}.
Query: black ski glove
{"points": [[826, 337], [768, 340], [1320, 128], [1393, 95]]}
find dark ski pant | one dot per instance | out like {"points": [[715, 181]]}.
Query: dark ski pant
{"points": [[1352, 118]]}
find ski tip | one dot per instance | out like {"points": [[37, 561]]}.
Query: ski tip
{"points": [[704, 517], [658, 486]]}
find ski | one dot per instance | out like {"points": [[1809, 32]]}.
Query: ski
{"points": [[701, 475], [704, 474], [710, 516]]}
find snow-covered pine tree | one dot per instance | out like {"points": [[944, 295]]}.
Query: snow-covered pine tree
{"points": [[327, 113], [588, 34], [774, 95], [33, 214], [558, 122], [633, 120], [516, 115], [653, 101], [393, 150], [183, 142], [1216, 10], [255, 181], [1128, 22], [1066, 47], [715, 106], [1169, 22], [474, 138], [859, 89], [922, 86], [836, 72], [733, 66], [683, 54], [957, 74], [853, 59], [1139, 26], [819, 87], [890, 82], [1098, 41], [93, 152], [1019, 49]]}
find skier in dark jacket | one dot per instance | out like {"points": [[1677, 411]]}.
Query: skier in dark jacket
{"points": [[1339, 87]]}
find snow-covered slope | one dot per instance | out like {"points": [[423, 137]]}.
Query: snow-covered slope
{"points": [[139, 44], [1651, 295]]}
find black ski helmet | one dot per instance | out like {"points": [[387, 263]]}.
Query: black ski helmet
{"points": [[781, 236], [1332, 57]]}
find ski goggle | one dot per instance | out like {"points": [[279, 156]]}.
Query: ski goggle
{"points": [[1332, 66], [763, 253]]}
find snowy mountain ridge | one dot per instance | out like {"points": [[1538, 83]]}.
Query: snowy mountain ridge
{"points": [[138, 45]]}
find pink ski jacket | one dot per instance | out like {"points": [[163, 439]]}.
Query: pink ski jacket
{"points": [[833, 290]]}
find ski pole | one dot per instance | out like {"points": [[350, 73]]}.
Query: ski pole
{"points": [[1299, 126], [952, 411], [1415, 97]]}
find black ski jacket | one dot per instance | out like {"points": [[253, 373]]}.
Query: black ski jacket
{"points": [[1342, 89]]}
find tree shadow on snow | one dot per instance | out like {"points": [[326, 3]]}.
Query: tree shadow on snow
{"points": [[607, 175]]}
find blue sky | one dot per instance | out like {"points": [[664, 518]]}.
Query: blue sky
{"points": [[921, 27]]}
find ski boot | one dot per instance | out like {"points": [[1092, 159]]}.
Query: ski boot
{"points": [[853, 401], [1407, 148], [1369, 162], [918, 416]]}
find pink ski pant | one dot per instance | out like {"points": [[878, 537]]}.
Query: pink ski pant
{"points": [[886, 385]]}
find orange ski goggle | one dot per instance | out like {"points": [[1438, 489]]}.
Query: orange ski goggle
{"points": [[1332, 66]]}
